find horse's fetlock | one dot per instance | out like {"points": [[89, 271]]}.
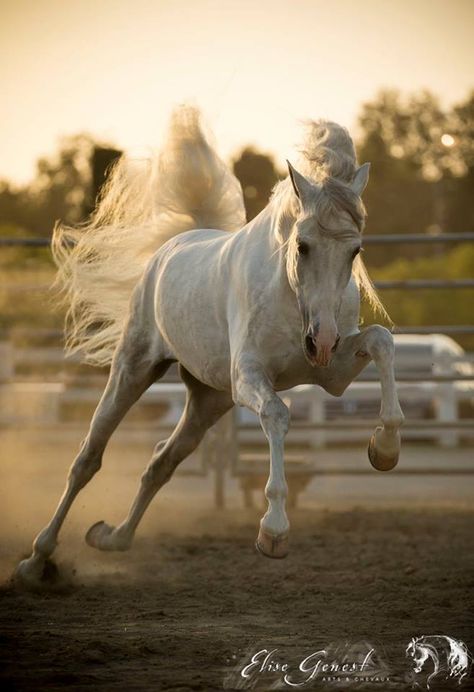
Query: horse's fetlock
{"points": [[276, 490], [276, 493], [394, 421]]}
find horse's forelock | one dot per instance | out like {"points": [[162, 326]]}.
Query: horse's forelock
{"points": [[342, 198], [328, 151], [328, 158]]}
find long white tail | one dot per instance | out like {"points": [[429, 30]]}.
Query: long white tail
{"points": [[185, 186]]}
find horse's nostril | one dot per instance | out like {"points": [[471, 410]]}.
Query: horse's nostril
{"points": [[336, 343], [314, 329], [310, 346]]}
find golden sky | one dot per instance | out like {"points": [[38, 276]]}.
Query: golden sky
{"points": [[115, 68]]}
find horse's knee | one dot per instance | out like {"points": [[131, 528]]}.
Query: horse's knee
{"points": [[379, 341], [275, 416]]}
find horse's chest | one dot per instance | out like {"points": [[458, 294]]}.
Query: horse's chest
{"points": [[284, 358]]}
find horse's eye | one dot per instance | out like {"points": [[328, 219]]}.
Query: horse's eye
{"points": [[303, 248]]}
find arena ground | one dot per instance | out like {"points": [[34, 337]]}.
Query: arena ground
{"points": [[375, 559]]}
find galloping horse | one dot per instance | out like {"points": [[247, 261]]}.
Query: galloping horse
{"points": [[450, 657], [245, 313]]}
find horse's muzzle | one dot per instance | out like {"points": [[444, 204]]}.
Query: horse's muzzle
{"points": [[317, 350]]}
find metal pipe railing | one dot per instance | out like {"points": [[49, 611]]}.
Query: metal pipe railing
{"points": [[436, 329], [400, 238], [424, 283], [413, 424], [376, 239], [25, 242]]}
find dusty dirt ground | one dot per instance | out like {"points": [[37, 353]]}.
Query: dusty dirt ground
{"points": [[192, 602]]}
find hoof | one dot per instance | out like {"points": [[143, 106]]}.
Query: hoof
{"points": [[381, 462], [105, 537], [272, 546], [38, 574]]}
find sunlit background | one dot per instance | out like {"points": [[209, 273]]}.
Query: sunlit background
{"points": [[115, 68], [378, 557], [83, 81]]}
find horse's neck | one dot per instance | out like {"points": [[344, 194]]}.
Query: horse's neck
{"points": [[263, 231], [262, 222], [432, 652], [273, 226]]}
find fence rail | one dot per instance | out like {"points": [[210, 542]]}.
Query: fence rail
{"points": [[425, 283], [447, 428], [409, 284], [370, 424], [410, 238], [384, 285], [436, 329], [25, 242], [375, 239]]}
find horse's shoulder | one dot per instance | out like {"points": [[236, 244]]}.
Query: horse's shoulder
{"points": [[200, 235]]}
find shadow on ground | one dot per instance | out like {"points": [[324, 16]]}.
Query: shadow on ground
{"points": [[185, 610]]}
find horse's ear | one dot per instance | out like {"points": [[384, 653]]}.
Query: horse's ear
{"points": [[302, 186], [361, 179]]}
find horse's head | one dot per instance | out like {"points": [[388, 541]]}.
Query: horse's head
{"points": [[323, 243], [418, 653]]}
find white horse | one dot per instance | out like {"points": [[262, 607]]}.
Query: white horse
{"points": [[450, 657], [244, 313]]}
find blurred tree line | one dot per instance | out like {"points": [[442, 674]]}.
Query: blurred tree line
{"points": [[422, 175], [422, 172], [422, 181], [59, 190]]}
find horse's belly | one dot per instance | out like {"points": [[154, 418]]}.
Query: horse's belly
{"points": [[200, 345], [210, 363]]}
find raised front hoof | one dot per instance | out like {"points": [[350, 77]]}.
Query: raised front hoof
{"points": [[272, 546], [380, 461], [105, 537], [38, 574]]}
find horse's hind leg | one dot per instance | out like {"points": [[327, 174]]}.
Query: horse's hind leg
{"points": [[133, 370], [204, 407]]}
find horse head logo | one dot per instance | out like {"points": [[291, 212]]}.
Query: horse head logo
{"points": [[449, 657]]}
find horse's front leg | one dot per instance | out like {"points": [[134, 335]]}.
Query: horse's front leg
{"points": [[252, 388], [353, 354]]}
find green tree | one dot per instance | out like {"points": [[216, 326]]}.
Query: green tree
{"points": [[258, 174], [59, 190], [422, 166]]}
